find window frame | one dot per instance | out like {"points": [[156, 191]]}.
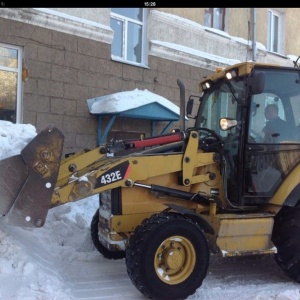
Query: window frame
{"points": [[270, 31], [144, 51], [212, 12], [18, 70]]}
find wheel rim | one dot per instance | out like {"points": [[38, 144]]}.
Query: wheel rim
{"points": [[174, 260]]}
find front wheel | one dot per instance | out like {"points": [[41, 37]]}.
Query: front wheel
{"points": [[286, 238], [101, 248], [167, 257]]}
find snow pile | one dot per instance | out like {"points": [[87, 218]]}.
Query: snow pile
{"points": [[33, 259], [14, 137], [288, 295]]}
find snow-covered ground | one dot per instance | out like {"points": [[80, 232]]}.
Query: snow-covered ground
{"points": [[59, 261]]}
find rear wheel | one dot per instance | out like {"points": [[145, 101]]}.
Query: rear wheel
{"points": [[101, 248], [167, 257], [286, 238]]}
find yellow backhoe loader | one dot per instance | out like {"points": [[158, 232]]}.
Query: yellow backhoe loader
{"points": [[221, 186]]}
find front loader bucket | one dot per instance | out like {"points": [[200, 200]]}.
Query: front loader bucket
{"points": [[27, 181]]}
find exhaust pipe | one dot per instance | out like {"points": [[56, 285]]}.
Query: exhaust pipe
{"points": [[182, 104]]}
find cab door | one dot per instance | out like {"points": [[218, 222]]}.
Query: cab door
{"points": [[268, 162]]}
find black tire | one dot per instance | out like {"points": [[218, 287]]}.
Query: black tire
{"points": [[167, 257], [102, 249], [286, 238]]}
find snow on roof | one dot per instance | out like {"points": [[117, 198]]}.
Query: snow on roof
{"points": [[197, 53], [123, 101]]}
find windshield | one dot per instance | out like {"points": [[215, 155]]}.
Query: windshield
{"points": [[219, 102]]}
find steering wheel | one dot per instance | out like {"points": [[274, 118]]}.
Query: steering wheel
{"points": [[209, 140]]}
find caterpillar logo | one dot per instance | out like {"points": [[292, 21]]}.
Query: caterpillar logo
{"points": [[115, 174]]}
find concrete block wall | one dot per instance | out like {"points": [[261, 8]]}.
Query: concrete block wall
{"points": [[65, 70]]}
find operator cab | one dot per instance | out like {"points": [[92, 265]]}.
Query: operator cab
{"points": [[235, 108]]}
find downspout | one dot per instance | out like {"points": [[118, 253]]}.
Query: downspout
{"points": [[253, 22]]}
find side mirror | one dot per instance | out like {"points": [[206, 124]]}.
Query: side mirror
{"points": [[190, 105], [227, 123]]}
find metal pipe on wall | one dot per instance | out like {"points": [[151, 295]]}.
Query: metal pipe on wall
{"points": [[253, 22]]}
